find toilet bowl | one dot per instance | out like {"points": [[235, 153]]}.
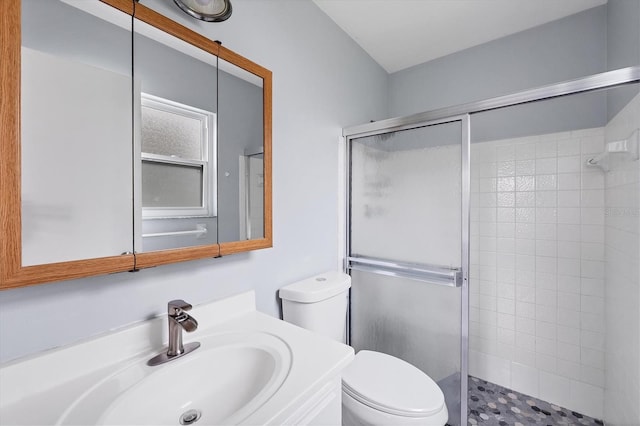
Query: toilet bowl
{"points": [[377, 389]]}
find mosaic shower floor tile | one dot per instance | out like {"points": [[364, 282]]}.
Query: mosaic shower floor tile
{"points": [[493, 405]]}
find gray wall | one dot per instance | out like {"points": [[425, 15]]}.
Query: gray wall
{"points": [[173, 75], [623, 47], [53, 27], [593, 41], [568, 48], [560, 50], [312, 102]]}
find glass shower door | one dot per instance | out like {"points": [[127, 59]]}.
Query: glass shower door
{"points": [[407, 250]]}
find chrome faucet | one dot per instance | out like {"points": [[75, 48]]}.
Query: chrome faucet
{"points": [[178, 320]]}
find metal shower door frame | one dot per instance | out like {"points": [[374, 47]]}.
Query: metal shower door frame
{"points": [[463, 278], [463, 112]]}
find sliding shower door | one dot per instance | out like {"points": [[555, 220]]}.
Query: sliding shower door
{"points": [[407, 249]]}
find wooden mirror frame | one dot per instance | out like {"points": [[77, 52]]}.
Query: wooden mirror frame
{"points": [[12, 273]]}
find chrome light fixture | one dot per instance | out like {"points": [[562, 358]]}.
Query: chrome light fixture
{"points": [[206, 10]]}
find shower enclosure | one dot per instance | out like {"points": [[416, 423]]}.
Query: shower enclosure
{"points": [[500, 240], [408, 247]]}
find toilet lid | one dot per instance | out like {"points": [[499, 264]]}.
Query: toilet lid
{"points": [[392, 385]]}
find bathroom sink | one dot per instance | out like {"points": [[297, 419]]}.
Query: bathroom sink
{"points": [[229, 377]]}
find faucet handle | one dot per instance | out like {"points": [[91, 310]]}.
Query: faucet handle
{"points": [[175, 307]]}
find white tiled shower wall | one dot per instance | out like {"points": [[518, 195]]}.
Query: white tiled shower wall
{"points": [[538, 267], [622, 295]]}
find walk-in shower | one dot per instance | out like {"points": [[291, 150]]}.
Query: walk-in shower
{"points": [[482, 242]]}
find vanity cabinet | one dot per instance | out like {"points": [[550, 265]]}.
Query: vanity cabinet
{"points": [[138, 144], [323, 407]]}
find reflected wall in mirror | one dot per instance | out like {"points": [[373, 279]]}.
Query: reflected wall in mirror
{"points": [[76, 132], [244, 154], [96, 117], [240, 155]]}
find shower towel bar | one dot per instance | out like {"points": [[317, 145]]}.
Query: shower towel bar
{"points": [[442, 275], [200, 230]]}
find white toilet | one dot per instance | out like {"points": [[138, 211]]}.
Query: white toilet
{"points": [[377, 389]]}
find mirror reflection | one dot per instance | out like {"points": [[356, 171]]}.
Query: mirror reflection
{"points": [[76, 118], [176, 141], [240, 154], [133, 140]]}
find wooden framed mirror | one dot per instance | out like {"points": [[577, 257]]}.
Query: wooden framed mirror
{"points": [[74, 163]]}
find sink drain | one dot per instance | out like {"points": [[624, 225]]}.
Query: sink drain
{"points": [[190, 417]]}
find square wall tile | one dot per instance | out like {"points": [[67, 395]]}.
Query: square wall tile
{"points": [[525, 199], [524, 356], [569, 284], [506, 321], [526, 326], [570, 232], [545, 149], [591, 144], [526, 167], [546, 182], [571, 164], [569, 215], [547, 231], [546, 313], [569, 369], [592, 358], [570, 322], [525, 230], [586, 399], [555, 388], [525, 183], [546, 363], [524, 378], [545, 215], [592, 180], [592, 376], [525, 341], [506, 153], [569, 352], [568, 301], [489, 367], [569, 181], [592, 340], [506, 199], [526, 151], [505, 168], [569, 249], [592, 322], [546, 166], [569, 198], [569, 335], [525, 294], [569, 147], [547, 248], [592, 287], [547, 281], [546, 330]]}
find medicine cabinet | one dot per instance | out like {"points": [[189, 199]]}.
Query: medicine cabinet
{"points": [[128, 141]]}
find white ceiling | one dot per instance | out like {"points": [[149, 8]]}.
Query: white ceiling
{"points": [[401, 33]]}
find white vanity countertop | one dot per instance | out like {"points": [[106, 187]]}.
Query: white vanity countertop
{"points": [[38, 389]]}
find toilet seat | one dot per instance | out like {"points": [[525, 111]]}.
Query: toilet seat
{"points": [[391, 385]]}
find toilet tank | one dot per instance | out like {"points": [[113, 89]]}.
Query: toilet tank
{"points": [[318, 304]]}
